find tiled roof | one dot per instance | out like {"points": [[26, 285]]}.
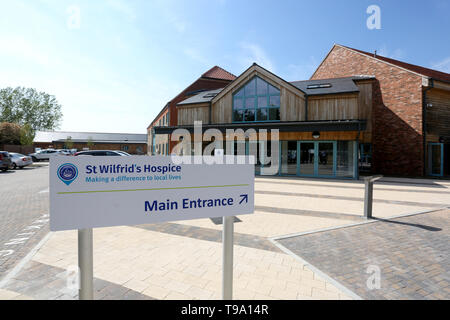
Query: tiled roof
{"points": [[438, 75], [218, 73]]}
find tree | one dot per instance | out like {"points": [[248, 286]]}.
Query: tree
{"points": [[69, 143], [27, 106], [26, 135], [9, 133]]}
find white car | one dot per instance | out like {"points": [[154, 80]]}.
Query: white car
{"points": [[43, 154], [19, 160]]}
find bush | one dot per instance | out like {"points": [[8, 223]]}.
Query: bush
{"points": [[10, 133]]}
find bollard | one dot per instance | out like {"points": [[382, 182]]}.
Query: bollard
{"points": [[368, 195]]}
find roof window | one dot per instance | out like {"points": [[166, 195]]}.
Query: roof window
{"points": [[319, 86]]}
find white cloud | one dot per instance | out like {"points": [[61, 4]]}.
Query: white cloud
{"points": [[396, 54], [252, 52], [195, 55], [18, 47], [302, 71], [168, 10], [443, 65], [123, 7]]}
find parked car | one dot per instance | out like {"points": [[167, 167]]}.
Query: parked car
{"points": [[101, 153], [64, 152], [19, 160], [5, 161], [43, 154]]}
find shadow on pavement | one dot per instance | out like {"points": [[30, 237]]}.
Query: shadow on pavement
{"points": [[421, 226]]}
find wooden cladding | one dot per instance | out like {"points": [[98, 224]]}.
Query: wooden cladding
{"points": [[438, 113], [222, 109], [333, 107], [365, 101], [188, 114], [292, 106]]}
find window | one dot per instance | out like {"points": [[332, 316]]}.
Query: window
{"points": [[256, 101], [319, 86]]}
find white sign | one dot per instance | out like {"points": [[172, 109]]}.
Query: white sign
{"points": [[89, 191]]}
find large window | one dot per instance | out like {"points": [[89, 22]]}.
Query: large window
{"points": [[256, 101]]}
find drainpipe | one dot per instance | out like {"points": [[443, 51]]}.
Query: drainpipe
{"points": [[424, 125]]}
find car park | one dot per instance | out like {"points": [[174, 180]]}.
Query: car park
{"points": [[5, 161], [19, 160], [43, 154], [101, 153]]}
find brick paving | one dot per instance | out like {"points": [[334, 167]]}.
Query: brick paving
{"points": [[211, 235], [412, 254], [22, 204], [183, 260]]}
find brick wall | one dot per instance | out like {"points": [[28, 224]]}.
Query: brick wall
{"points": [[397, 110]]}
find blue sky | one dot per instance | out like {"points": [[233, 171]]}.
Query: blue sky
{"points": [[116, 66]]}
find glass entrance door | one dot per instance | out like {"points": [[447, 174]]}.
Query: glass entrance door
{"points": [[326, 159], [307, 158], [435, 159], [288, 157]]}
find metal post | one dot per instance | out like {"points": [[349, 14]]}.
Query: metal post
{"points": [[227, 268], [86, 264], [368, 195]]}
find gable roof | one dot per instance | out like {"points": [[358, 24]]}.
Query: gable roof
{"points": [[217, 72], [258, 69], [438, 75]]}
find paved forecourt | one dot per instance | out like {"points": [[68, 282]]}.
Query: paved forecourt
{"points": [[125, 263]]}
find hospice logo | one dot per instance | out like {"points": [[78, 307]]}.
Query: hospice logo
{"points": [[67, 173]]}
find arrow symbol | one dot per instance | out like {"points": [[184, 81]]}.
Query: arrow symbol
{"points": [[243, 197]]}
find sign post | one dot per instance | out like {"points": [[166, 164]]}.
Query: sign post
{"points": [[86, 264], [92, 192], [227, 268]]}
